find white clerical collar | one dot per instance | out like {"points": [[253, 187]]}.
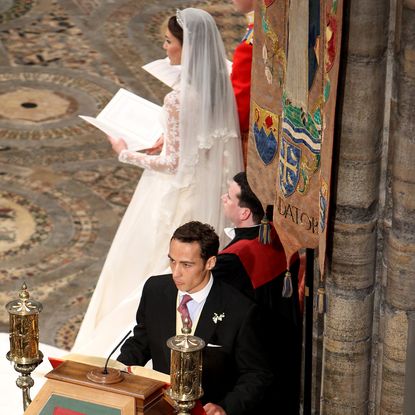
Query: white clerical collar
{"points": [[231, 232], [202, 294]]}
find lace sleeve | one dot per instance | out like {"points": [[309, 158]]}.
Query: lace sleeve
{"points": [[168, 159]]}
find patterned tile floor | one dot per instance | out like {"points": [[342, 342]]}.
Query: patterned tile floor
{"points": [[62, 191]]}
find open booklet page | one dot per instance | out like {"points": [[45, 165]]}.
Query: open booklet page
{"points": [[100, 361], [169, 74], [131, 118], [164, 71]]}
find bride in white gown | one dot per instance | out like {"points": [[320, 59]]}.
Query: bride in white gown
{"points": [[201, 152]]}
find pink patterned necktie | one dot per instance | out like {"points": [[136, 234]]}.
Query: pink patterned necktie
{"points": [[184, 311]]}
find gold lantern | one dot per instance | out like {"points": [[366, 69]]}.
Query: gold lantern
{"points": [[24, 340], [185, 370]]}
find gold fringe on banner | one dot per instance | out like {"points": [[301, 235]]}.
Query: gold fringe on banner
{"points": [[265, 231]]}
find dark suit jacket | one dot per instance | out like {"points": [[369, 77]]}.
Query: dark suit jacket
{"points": [[281, 321], [235, 375]]}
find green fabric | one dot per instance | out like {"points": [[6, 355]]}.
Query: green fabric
{"points": [[85, 408]]}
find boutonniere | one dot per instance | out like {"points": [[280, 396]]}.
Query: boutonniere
{"points": [[218, 317]]}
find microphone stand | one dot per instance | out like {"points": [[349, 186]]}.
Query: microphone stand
{"points": [[108, 375]]}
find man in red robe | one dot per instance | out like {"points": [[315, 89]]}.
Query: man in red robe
{"points": [[258, 271], [241, 71]]}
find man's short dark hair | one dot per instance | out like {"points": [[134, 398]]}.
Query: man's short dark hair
{"points": [[203, 234], [247, 198]]}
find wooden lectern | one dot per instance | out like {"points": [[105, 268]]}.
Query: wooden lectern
{"points": [[68, 391]]}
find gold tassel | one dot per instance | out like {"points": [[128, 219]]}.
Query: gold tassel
{"points": [[321, 300], [287, 289], [264, 231]]}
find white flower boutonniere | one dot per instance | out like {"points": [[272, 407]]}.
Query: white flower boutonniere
{"points": [[218, 317]]}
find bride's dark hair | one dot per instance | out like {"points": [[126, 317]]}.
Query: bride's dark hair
{"points": [[175, 29]]}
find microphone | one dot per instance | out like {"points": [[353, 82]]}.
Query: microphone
{"points": [[105, 371]]}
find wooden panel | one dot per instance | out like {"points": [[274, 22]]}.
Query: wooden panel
{"points": [[146, 391], [115, 403]]}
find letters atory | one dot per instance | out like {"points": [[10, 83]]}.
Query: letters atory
{"points": [[297, 216]]}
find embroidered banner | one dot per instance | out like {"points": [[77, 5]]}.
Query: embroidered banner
{"points": [[268, 76], [294, 83]]}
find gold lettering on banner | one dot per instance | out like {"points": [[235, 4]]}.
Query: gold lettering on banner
{"points": [[297, 216]]}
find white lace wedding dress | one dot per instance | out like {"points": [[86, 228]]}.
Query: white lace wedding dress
{"points": [[140, 246]]}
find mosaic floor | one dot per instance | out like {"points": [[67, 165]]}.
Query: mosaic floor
{"points": [[62, 191]]}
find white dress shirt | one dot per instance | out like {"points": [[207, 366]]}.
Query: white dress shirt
{"points": [[195, 305]]}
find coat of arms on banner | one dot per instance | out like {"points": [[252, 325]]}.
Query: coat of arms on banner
{"points": [[268, 3], [265, 129], [273, 53], [289, 167], [301, 129]]}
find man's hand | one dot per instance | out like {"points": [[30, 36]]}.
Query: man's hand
{"points": [[212, 409], [117, 144]]}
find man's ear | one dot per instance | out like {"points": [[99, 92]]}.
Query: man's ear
{"points": [[210, 263], [245, 213]]}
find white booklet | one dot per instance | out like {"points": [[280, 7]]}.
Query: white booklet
{"points": [[164, 71], [131, 118], [169, 74]]}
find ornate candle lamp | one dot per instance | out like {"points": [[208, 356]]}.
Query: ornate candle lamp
{"points": [[185, 370], [24, 340]]}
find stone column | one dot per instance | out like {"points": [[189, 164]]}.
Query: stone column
{"points": [[352, 266], [399, 292]]}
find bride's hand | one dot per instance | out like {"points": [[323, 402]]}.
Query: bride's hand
{"points": [[118, 144], [157, 147]]}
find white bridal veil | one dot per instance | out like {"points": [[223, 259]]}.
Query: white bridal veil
{"points": [[210, 147]]}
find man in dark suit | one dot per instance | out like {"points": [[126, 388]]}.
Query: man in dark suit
{"points": [[235, 371], [258, 270]]}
